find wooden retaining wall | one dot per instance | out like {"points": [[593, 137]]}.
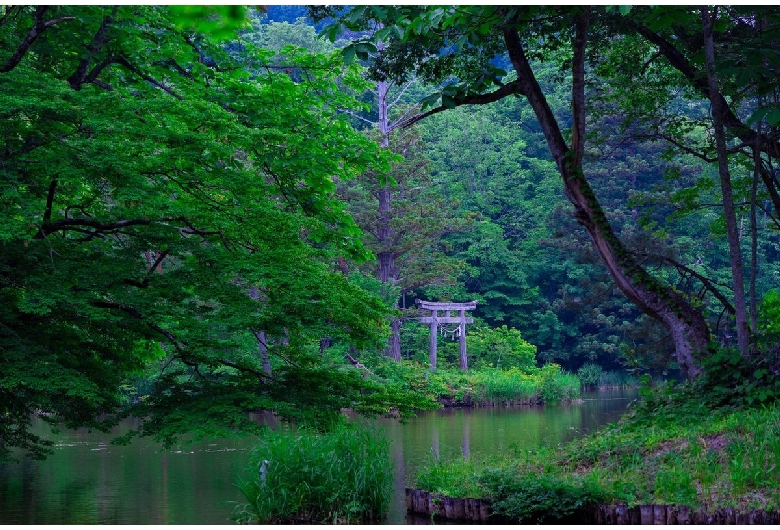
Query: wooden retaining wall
{"points": [[478, 510]]}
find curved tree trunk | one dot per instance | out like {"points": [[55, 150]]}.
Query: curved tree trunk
{"points": [[685, 323]]}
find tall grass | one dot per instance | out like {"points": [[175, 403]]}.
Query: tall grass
{"points": [[615, 379], [505, 387], [515, 386], [344, 476], [560, 387]]}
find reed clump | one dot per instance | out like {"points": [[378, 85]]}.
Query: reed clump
{"points": [[514, 386], [343, 476]]}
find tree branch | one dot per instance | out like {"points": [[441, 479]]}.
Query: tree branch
{"points": [[480, 99], [79, 77], [49, 201], [704, 280], [127, 64], [99, 227], [355, 115], [39, 26], [258, 373], [698, 80]]}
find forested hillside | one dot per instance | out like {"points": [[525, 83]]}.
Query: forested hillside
{"points": [[211, 210]]}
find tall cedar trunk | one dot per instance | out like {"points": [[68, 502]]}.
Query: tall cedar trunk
{"points": [[384, 232], [685, 324], [735, 257]]}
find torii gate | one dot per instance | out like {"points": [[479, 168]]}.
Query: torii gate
{"points": [[434, 320]]}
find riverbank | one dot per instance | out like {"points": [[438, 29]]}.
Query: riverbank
{"points": [[425, 504], [670, 451]]}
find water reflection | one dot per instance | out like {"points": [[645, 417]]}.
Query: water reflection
{"points": [[89, 481]]}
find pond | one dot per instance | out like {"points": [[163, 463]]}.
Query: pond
{"points": [[89, 481]]}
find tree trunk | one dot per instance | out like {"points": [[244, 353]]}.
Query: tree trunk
{"points": [[262, 341], [394, 349], [384, 232], [262, 346], [685, 323], [754, 237], [729, 214]]}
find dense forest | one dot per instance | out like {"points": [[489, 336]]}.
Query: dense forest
{"points": [[214, 210]]}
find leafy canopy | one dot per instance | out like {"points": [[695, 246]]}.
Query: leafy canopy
{"points": [[161, 206]]}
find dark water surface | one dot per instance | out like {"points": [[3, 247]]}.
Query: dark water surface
{"points": [[89, 481]]}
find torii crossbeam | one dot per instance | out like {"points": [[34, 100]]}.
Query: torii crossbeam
{"points": [[434, 320]]}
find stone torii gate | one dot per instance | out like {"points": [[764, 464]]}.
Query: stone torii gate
{"points": [[434, 320]]}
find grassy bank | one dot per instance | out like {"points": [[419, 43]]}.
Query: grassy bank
{"points": [[493, 387], [486, 386], [672, 450]]}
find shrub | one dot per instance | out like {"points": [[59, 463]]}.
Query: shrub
{"points": [[590, 374], [537, 498], [341, 476], [501, 348], [455, 477], [558, 386]]}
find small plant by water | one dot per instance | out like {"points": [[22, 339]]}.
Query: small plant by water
{"points": [[343, 476]]}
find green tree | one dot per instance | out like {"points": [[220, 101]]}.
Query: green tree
{"points": [[148, 184], [455, 47]]}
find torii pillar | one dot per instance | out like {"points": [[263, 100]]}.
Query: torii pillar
{"points": [[434, 320]]}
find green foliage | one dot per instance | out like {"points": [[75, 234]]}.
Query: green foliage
{"points": [[501, 347], [164, 202], [770, 315], [219, 22], [590, 374], [455, 477], [558, 386], [486, 386], [537, 500], [505, 387], [672, 449], [733, 380], [617, 379], [344, 476]]}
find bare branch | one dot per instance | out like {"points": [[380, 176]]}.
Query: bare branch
{"points": [[401, 92], [354, 115], [578, 86], [253, 371], [397, 123], [69, 224], [50, 201]]}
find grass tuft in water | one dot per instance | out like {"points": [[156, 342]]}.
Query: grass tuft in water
{"points": [[344, 476]]}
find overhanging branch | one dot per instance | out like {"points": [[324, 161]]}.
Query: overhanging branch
{"points": [[480, 99]]}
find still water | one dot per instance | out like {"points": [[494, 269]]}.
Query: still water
{"points": [[89, 481]]}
